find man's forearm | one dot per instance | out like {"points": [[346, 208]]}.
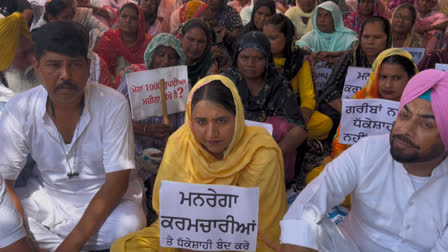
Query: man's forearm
{"points": [[10, 187]]}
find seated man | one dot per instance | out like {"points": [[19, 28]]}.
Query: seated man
{"points": [[397, 182], [12, 234], [84, 194]]}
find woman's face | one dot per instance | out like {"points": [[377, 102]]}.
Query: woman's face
{"points": [[392, 80], [128, 20], [324, 21], [366, 7], [276, 38], [213, 126], [307, 5], [260, 16], [149, 7], [164, 56], [65, 15], [402, 21], [251, 63], [373, 39], [194, 43], [425, 6]]}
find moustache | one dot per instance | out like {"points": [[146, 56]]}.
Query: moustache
{"points": [[406, 140], [66, 85]]}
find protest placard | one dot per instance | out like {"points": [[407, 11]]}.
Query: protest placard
{"points": [[355, 80], [266, 126], [322, 71], [417, 53], [366, 117], [144, 91], [208, 217], [442, 67]]}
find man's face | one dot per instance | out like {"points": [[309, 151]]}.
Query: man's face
{"points": [[64, 77], [24, 54], [415, 137]]}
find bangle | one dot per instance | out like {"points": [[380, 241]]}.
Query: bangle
{"points": [[144, 129]]}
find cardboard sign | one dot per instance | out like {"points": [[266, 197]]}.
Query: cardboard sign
{"points": [[208, 217], [417, 53], [442, 67], [366, 117], [322, 71], [266, 126], [144, 91], [355, 80]]}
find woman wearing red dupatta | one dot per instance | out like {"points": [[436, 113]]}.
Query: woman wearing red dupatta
{"points": [[126, 44]]}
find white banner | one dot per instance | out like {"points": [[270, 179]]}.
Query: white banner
{"points": [[144, 91], [266, 126], [208, 217], [442, 67], [417, 53], [355, 80], [366, 117], [322, 71]]}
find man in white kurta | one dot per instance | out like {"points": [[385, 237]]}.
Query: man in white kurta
{"points": [[398, 185], [65, 204]]}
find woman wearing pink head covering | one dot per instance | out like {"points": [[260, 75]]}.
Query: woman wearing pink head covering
{"points": [[431, 85], [431, 24]]}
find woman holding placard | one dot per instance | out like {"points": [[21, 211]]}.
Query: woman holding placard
{"points": [[215, 146], [390, 73]]}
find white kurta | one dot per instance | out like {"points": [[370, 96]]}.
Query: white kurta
{"points": [[387, 213], [102, 143]]}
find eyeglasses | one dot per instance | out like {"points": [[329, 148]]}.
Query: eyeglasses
{"points": [[404, 18]]}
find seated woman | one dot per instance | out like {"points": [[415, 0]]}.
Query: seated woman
{"points": [[366, 9], [403, 27], [431, 24], [263, 10], [150, 9], [329, 34], [267, 96], [301, 15], [126, 44], [292, 64], [430, 60], [192, 9], [163, 51], [345, 9], [196, 39], [393, 4], [375, 38], [244, 156], [390, 73]]}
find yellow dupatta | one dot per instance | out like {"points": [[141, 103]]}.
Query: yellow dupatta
{"points": [[253, 159]]}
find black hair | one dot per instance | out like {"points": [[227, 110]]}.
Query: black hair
{"points": [[406, 63], [270, 4], [67, 38], [54, 7], [411, 8], [197, 23], [154, 17], [131, 5], [216, 92], [385, 24]]}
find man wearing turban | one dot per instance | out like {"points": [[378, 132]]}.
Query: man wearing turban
{"points": [[397, 182]]}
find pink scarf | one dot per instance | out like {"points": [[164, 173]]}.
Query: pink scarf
{"points": [[437, 81]]}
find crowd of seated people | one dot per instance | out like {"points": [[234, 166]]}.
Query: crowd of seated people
{"points": [[73, 175]]}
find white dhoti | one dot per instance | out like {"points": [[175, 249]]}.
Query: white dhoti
{"points": [[51, 216]]}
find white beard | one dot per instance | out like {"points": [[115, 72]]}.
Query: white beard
{"points": [[19, 81]]}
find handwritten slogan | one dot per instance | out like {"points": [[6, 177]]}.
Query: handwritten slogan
{"points": [[208, 217], [366, 117], [355, 80], [144, 91], [322, 72], [442, 67], [417, 53]]}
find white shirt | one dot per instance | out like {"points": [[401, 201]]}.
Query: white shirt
{"points": [[10, 221], [102, 142], [387, 213]]}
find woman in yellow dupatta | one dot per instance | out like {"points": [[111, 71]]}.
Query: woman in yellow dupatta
{"points": [[252, 159], [403, 25], [401, 69]]}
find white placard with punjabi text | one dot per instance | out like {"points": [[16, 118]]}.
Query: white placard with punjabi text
{"points": [[417, 53], [144, 91], [442, 67], [355, 80], [322, 71], [366, 117], [208, 217], [266, 126]]}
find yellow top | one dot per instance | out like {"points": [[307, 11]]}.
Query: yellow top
{"points": [[302, 83], [253, 159], [12, 28]]}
